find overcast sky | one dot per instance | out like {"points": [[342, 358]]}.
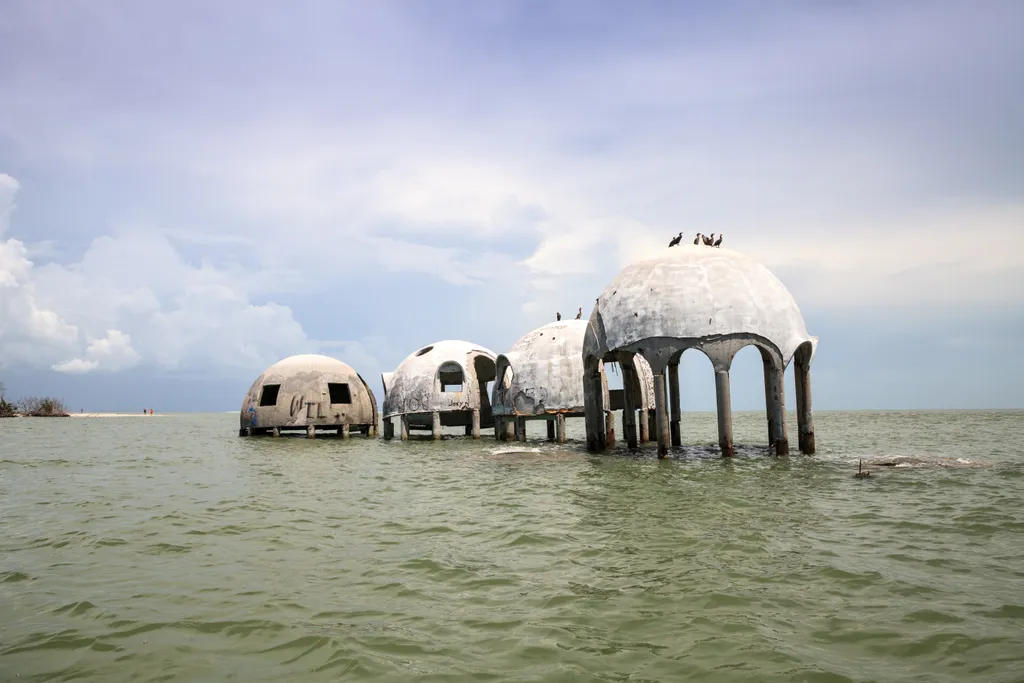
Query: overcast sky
{"points": [[191, 191]]}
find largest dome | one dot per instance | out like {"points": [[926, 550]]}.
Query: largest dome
{"points": [[697, 293]]}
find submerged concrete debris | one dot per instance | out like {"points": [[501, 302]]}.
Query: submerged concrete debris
{"points": [[443, 384], [309, 393], [714, 300], [541, 378]]}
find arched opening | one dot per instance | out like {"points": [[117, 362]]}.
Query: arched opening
{"points": [[748, 388], [451, 377], [485, 370], [696, 392]]}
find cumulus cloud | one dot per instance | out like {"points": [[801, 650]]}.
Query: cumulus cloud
{"points": [[112, 352], [133, 299], [28, 329], [76, 366]]}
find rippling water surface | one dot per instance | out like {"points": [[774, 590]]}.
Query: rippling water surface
{"points": [[168, 549]]}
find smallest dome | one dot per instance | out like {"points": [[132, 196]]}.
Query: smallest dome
{"points": [[308, 393]]}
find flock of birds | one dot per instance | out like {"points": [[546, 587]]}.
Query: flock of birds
{"points": [[708, 241]]}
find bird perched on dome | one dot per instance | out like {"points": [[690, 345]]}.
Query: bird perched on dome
{"points": [[708, 241], [718, 242], [558, 316], [676, 240], [579, 313], [696, 240]]}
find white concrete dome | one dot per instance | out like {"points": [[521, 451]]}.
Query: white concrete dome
{"points": [[425, 381], [308, 390], [542, 372], [694, 293]]}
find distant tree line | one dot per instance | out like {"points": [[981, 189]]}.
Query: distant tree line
{"points": [[31, 406]]}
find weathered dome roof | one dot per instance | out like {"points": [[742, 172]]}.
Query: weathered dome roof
{"points": [[414, 388], [547, 371], [309, 362], [694, 293], [303, 395]]}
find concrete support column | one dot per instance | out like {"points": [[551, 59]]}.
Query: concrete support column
{"points": [[310, 432], [521, 428], [775, 404], [661, 415], [629, 401], [475, 427], [510, 429], [560, 428], [435, 426], [804, 420], [652, 424], [551, 429], [346, 432], [499, 429], [609, 424], [724, 413], [593, 407], [405, 427], [643, 424], [673, 385]]}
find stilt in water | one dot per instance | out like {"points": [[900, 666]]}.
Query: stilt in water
{"points": [[724, 413]]}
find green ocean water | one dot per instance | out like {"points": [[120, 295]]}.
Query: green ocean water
{"points": [[169, 549]]}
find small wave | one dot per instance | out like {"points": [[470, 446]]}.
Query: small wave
{"points": [[505, 450], [917, 461]]}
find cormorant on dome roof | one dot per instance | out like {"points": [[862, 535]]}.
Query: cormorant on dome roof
{"points": [[579, 313], [696, 240], [718, 242], [676, 240]]}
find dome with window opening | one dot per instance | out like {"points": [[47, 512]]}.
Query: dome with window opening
{"points": [[309, 391], [447, 377]]}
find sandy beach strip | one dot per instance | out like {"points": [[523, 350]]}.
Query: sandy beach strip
{"points": [[115, 415]]}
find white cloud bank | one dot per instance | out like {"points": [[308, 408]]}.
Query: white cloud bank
{"points": [[112, 352], [129, 300]]}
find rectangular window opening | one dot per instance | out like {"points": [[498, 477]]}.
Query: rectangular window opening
{"points": [[339, 393], [451, 382], [268, 397]]}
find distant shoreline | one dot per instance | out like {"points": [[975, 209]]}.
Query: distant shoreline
{"points": [[114, 415]]}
